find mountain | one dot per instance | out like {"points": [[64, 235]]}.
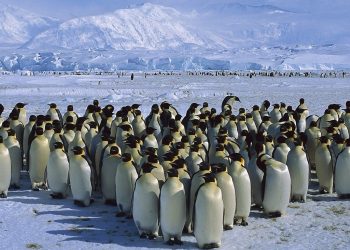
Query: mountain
{"points": [[147, 26], [17, 26]]}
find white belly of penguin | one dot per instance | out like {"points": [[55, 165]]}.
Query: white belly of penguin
{"points": [[57, 172]]}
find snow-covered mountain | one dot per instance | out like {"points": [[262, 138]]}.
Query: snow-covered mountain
{"points": [[148, 27], [17, 26]]}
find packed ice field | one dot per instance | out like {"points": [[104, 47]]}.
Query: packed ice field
{"points": [[34, 220]]}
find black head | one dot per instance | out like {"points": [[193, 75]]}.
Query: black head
{"points": [[70, 108], [58, 145], [126, 157], [77, 150], [53, 105], [95, 102], [173, 172], [21, 105], [1, 139], [209, 177], [11, 132], [204, 166], [150, 130], [236, 157], [147, 167], [39, 131]]}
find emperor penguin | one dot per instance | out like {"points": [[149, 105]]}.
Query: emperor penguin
{"points": [[125, 180], [17, 126], [22, 117], [108, 172], [264, 108], [196, 181], [138, 124], [275, 114], [324, 166], [242, 186], [38, 158], [313, 133], [165, 145], [172, 208], [299, 172], [280, 152], [54, 112], [27, 129], [149, 139], [133, 147], [208, 214], [1, 110], [231, 127], [276, 185], [342, 173], [194, 160], [70, 112], [153, 121], [4, 128], [80, 177], [256, 115], [5, 169], [16, 158], [145, 207], [91, 134], [225, 183], [302, 108], [229, 100], [57, 172]]}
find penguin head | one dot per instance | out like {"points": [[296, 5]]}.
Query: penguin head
{"points": [[256, 108], [53, 105], [1, 139], [266, 118], [205, 105], [39, 131], [179, 145], [178, 117], [150, 130], [194, 148], [126, 157], [333, 123], [58, 145], [313, 124], [209, 177], [48, 126], [173, 172], [69, 119], [14, 115], [179, 163], [93, 125], [281, 139], [77, 150], [135, 106], [32, 118], [197, 141], [220, 167], [152, 158], [11, 132], [147, 167], [259, 148], [6, 124], [204, 166], [338, 139], [266, 104], [301, 101], [150, 151], [236, 99], [276, 106], [347, 142], [236, 157], [155, 109], [70, 108], [184, 139], [114, 150], [219, 147], [125, 127], [165, 105], [283, 105], [324, 139], [21, 105], [111, 140], [168, 156]]}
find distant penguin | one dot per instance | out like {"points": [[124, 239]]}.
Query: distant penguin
{"points": [[225, 183], [57, 172], [299, 172], [108, 172], [146, 203], [125, 180], [242, 186], [5, 169], [38, 158], [276, 185], [172, 208], [16, 158], [208, 214], [342, 173], [80, 177], [324, 166]]}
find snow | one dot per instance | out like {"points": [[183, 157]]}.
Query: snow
{"points": [[29, 217]]}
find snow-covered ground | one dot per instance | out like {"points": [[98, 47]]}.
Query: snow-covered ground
{"points": [[33, 220]]}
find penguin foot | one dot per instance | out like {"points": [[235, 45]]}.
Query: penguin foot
{"points": [[152, 237], [187, 231], [228, 227], [111, 202], [244, 223], [275, 214], [170, 242], [257, 207], [211, 246], [143, 236], [43, 187], [57, 196], [92, 201], [323, 191], [79, 203], [35, 189], [3, 196], [344, 196], [129, 216], [120, 214], [177, 242]]}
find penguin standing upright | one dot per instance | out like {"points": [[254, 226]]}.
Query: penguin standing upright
{"points": [[125, 180], [225, 183], [299, 172], [54, 112], [1, 110], [80, 177], [38, 158], [146, 203], [57, 172], [324, 166], [108, 172], [5, 169], [276, 185], [27, 129], [313, 133], [16, 158], [22, 117], [208, 213], [242, 186], [172, 208], [70, 112], [342, 173]]}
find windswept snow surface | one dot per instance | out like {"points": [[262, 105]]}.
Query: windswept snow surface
{"points": [[33, 219]]}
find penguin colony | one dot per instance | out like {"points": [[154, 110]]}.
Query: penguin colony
{"points": [[198, 174]]}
